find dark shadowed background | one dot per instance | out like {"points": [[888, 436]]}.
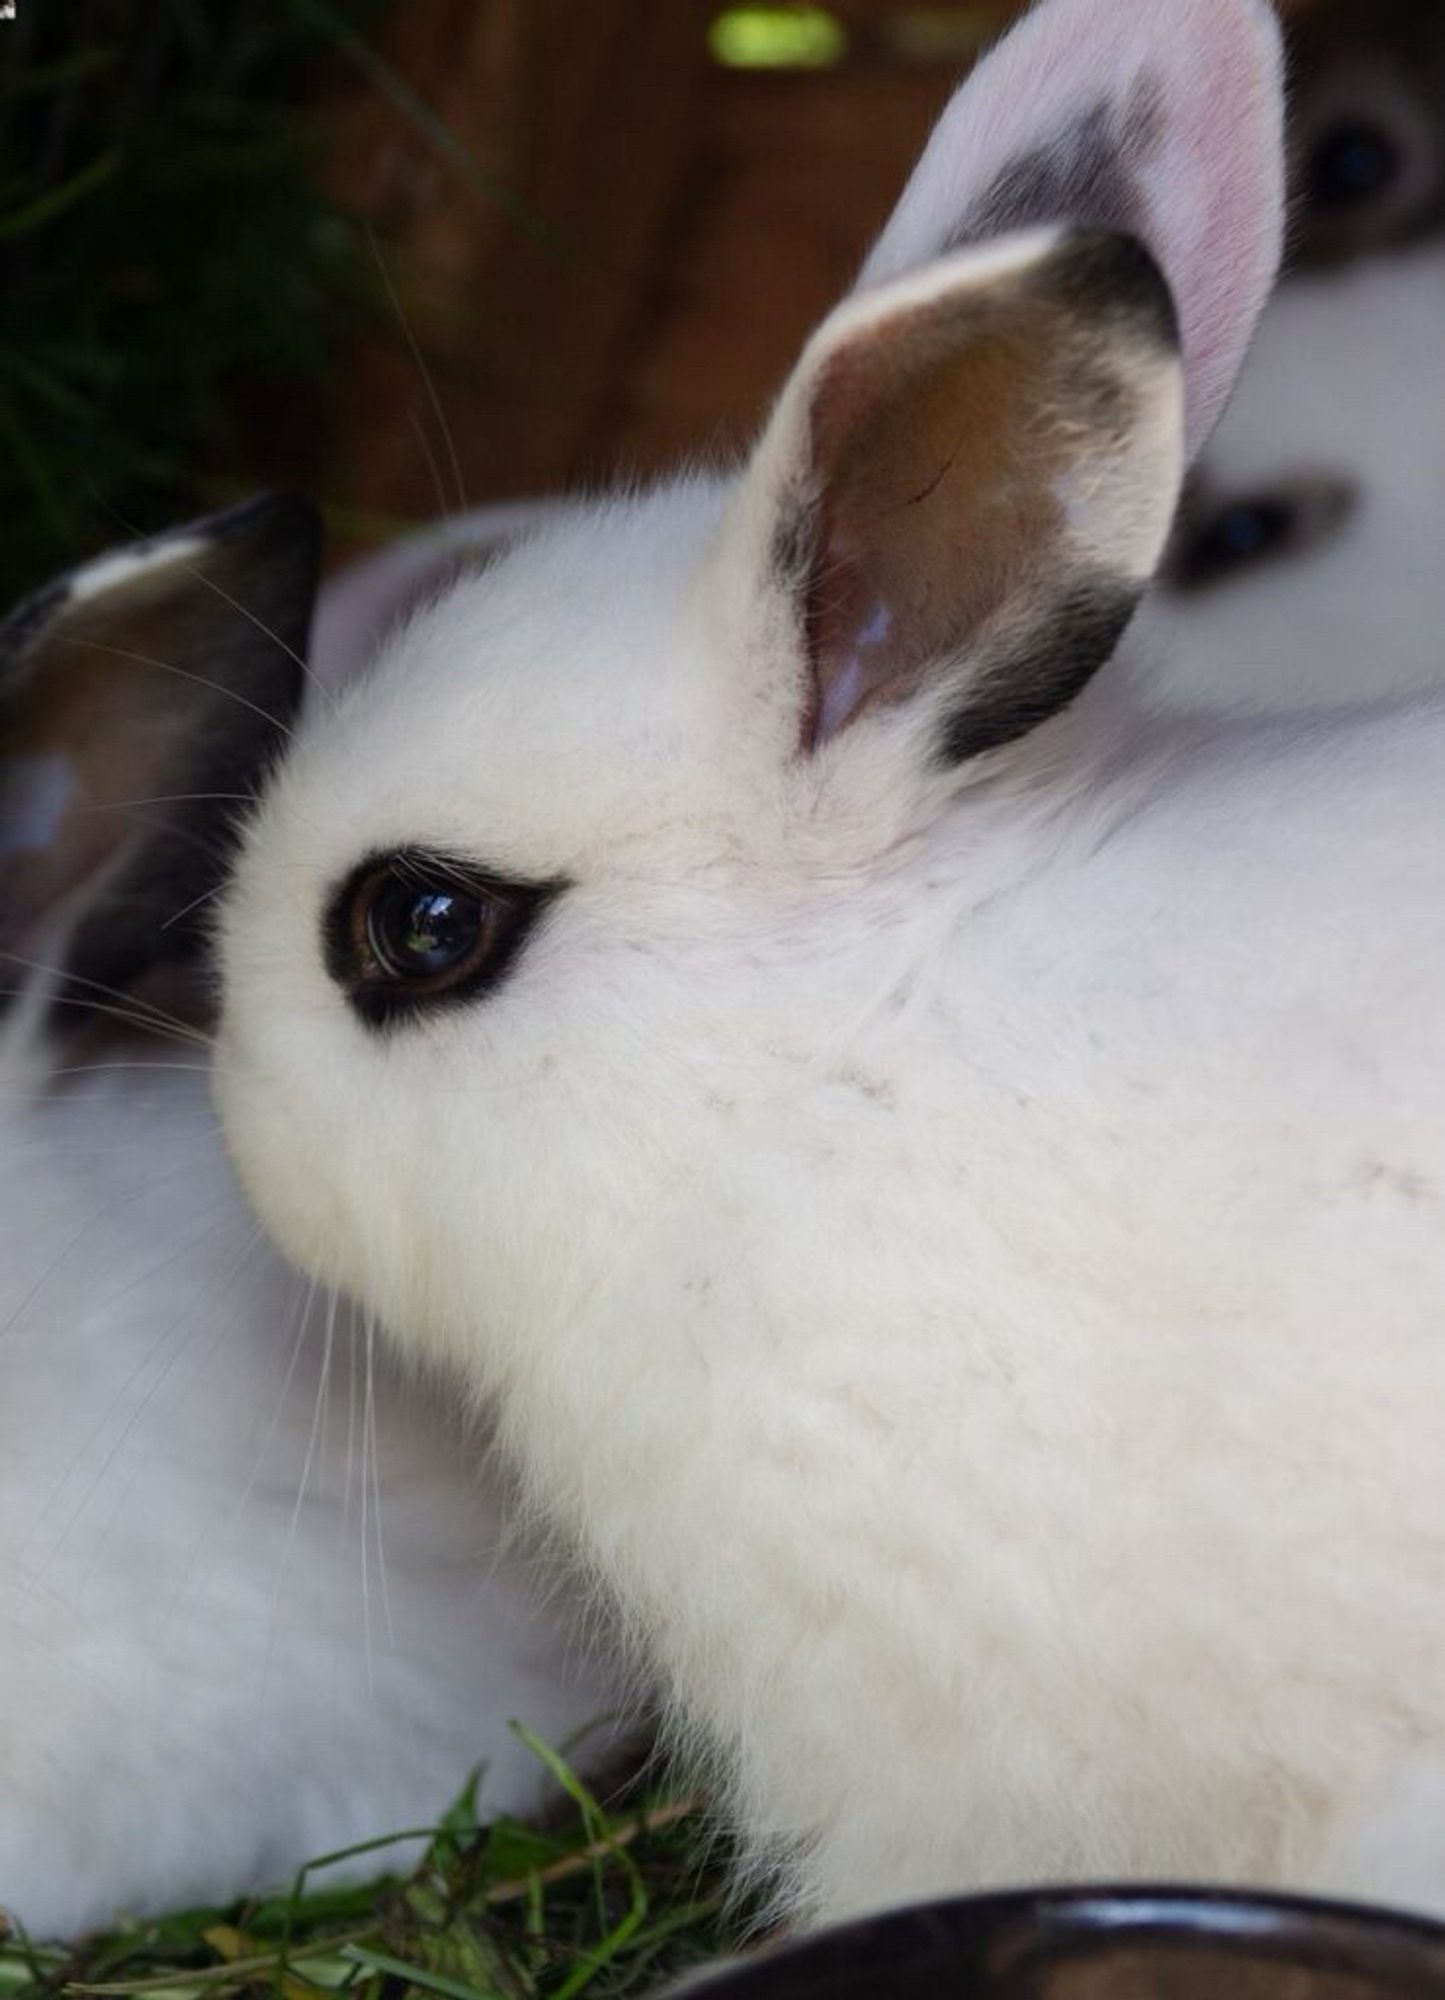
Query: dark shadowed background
{"points": [[409, 253]]}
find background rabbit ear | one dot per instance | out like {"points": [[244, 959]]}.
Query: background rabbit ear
{"points": [[969, 481], [368, 598], [1159, 118], [140, 699]]}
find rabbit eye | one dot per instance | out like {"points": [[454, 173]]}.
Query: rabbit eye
{"points": [[1352, 163], [1213, 544], [409, 930], [420, 933]]}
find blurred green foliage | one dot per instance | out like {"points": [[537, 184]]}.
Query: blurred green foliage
{"points": [[167, 263]]}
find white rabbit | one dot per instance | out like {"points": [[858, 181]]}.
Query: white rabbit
{"points": [[943, 1181], [250, 1612], [1307, 567]]}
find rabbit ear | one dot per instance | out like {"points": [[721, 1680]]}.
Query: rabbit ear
{"points": [[370, 597], [969, 481], [139, 699], [1158, 118]]}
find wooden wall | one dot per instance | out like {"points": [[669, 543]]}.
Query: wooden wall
{"points": [[671, 229]]}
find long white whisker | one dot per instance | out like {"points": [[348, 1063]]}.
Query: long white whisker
{"points": [[301, 1317], [428, 383], [163, 799], [143, 1013], [181, 673], [419, 433], [196, 903], [96, 1217], [365, 1523], [376, 1481], [93, 1069], [317, 1424], [128, 1427], [265, 630]]}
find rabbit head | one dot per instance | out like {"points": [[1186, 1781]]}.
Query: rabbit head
{"points": [[1305, 568], [556, 886]]}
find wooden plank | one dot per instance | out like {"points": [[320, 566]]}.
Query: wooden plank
{"points": [[796, 175], [587, 114], [699, 221]]}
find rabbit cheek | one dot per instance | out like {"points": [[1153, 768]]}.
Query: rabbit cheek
{"points": [[303, 1211]]}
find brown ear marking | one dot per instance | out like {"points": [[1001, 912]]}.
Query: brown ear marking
{"points": [[958, 450], [172, 668]]}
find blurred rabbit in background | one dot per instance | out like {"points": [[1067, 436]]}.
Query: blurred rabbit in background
{"points": [[256, 1601], [1308, 562]]}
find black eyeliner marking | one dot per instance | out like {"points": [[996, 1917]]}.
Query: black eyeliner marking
{"points": [[382, 1004]]}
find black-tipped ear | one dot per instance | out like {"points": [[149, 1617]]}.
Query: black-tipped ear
{"points": [[141, 698], [971, 477], [1159, 119]]}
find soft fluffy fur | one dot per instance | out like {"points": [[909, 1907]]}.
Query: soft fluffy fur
{"points": [[959, 1249], [259, 1598]]}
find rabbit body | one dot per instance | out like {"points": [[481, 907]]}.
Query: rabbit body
{"points": [[970, 1361], [940, 1172]]}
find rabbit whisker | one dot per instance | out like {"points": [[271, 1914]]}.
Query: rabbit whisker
{"points": [[144, 1012], [155, 1348], [182, 673], [317, 1431], [428, 382], [301, 1318]]}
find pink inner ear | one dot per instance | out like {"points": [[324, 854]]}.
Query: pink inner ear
{"points": [[990, 481], [1162, 116]]}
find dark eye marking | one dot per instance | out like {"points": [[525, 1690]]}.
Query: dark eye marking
{"points": [[1217, 541], [410, 930]]}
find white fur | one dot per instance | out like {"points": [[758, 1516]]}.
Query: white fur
{"points": [[960, 1252], [969, 1283], [359, 607], [1344, 381], [248, 1615], [123, 566]]}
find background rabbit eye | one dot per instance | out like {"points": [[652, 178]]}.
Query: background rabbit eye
{"points": [[1239, 535], [1354, 161], [408, 930], [1214, 542]]}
